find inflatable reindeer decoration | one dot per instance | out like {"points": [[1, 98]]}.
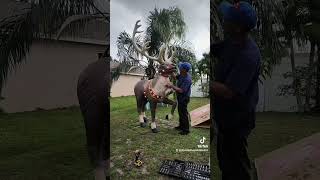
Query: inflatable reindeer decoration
{"points": [[155, 90]]}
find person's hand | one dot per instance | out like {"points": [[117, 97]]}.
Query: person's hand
{"points": [[169, 85], [174, 75]]}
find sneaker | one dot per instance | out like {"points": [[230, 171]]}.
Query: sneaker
{"points": [[146, 120], [143, 125], [156, 130]]}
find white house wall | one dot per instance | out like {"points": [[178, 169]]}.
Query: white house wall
{"points": [[195, 89], [268, 98], [124, 85], [49, 77]]}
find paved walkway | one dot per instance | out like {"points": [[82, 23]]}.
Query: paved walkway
{"points": [[297, 161]]}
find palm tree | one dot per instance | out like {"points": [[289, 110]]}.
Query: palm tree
{"points": [[270, 22], [317, 107], [126, 50], [185, 54], [203, 69], [280, 24], [200, 67], [310, 77], [163, 26], [292, 25], [128, 55], [41, 19]]}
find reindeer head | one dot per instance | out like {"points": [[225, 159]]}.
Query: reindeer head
{"points": [[166, 62]]}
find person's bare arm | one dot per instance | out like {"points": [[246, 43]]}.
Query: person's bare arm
{"points": [[175, 88]]}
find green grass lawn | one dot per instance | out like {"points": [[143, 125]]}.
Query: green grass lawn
{"points": [[50, 145], [275, 130], [127, 136], [43, 145]]}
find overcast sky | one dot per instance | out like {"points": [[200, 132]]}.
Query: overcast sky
{"points": [[124, 14]]}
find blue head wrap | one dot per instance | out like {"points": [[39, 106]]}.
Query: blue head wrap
{"points": [[185, 65], [242, 13]]}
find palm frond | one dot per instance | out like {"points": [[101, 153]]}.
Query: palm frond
{"points": [[49, 15], [271, 15], [165, 25], [186, 54], [40, 19], [81, 19], [15, 40], [126, 50], [215, 22]]}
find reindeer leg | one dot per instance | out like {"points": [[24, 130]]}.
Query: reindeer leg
{"points": [[146, 120], [142, 119], [143, 113], [173, 104], [141, 102], [153, 106]]}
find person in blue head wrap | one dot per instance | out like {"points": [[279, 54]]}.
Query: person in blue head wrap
{"points": [[183, 90], [235, 89]]}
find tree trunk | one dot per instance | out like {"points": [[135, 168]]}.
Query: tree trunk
{"points": [[213, 128], [318, 81], [214, 37], [202, 89], [175, 94], [208, 84], [309, 78], [1, 86], [296, 83], [151, 70]]}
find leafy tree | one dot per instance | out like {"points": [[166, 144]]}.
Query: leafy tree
{"points": [[270, 18], [310, 74], [126, 50], [203, 70], [41, 19], [317, 107], [289, 89], [185, 54], [164, 26]]}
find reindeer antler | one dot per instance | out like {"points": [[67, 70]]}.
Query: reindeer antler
{"points": [[145, 47], [166, 57], [162, 58]]}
